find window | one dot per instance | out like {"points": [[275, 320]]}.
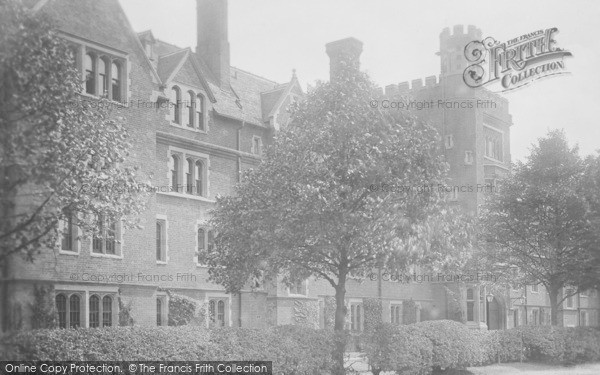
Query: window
{"points": [[535, 288], [105, 236], [298, 287], [200, 109], [191, 109], [493, 146], [94, 311], [449, 143], [107, 311], [103, 74], [356, 317], [68, 229], [176, 97], [516, 318], [116, 81], [468, 157], [61, 308], [535, 317], [396, 314], [174, 167], [188, 172], [569, 301], [206, 244], [161, 239], [217, 312], [482, 299], [256, 145], [585, 293], [199, 178], [189, 183], [159, 311], [90, 73], [74, 311], [470, 305], [102, 77], [583, 320]]}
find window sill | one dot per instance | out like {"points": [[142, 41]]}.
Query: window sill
{"points": [[185, 127], [187, 196], [101, 255], [114, 102], [68, 252], [162, 262]]}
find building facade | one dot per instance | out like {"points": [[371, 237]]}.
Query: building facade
{"points": [[196, 124]]}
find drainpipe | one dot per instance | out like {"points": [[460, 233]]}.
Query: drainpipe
{"points": [[239, 179]]}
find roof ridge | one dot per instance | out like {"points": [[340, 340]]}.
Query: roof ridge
{"points": [[256, 75]]}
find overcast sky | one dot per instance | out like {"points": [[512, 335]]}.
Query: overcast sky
{"points": [[272, 37]]}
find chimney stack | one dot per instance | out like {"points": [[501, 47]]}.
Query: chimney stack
{"points": [[213, 43], [345, 50]]}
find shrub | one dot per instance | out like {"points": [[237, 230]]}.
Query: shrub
{"points": [[404, 349], [510, 345], [112, 344], [293, 349], [181, 310], [453, 343]]}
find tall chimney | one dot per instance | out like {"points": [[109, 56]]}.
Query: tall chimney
{"points": [[344, 51], [213, 44]]}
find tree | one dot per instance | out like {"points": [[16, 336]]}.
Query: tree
{"points": [[543, 220], [58, 154], [344, 188]]}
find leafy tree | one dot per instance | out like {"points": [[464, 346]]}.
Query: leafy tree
{"points": [[327, 201], [543, 220], [59, 155]]}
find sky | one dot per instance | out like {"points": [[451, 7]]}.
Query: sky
{"points": [[270, 38]]}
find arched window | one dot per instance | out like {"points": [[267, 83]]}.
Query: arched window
{"points": [[90, 73], [200, 110], [189, 171], [199, 178], [176, 105], [158, 312], [94, 311], [191, 109], [470, 305], [107, 311], [74, 310], [116, 81], [159, 241], [102, 76], [221, 313], [211, 311], [174, 173], [201, 241], [61, 308]]}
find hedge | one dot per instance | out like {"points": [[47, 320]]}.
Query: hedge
{"points": [[432, 346], [419, 348], [293, 349]]}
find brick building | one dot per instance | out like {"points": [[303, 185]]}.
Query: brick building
{"points": [[196, 123]]}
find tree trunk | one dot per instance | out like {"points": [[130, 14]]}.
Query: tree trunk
{"points": [[340, 322], [554, 307]]}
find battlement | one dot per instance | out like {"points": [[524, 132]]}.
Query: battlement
{"points": [[458, 31], [415, 84]]}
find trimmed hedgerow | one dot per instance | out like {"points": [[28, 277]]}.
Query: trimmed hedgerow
{"points": [[403, 349], [293, 349]]}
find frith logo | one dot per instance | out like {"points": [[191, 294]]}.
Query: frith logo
{"points": [[515, 63]]}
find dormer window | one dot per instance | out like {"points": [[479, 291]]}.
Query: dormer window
{"points": [[116, 81], [191, 109], [200, 110], [103, 74], [89, 65], [176, 98]]}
